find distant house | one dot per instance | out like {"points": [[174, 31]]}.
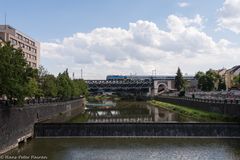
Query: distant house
{"points": [[230, 74], [222, 72]]}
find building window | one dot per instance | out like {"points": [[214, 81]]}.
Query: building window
{"points": [[19, 36], [21, 44], [33, 50], [27, 47], [13, 41]]}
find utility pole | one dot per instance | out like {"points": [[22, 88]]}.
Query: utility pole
{"points": [[154, 72]]}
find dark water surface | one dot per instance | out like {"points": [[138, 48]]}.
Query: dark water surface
{"points": [[130, 111], [132, 149]]}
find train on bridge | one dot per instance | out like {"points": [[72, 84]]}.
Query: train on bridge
{"points": [[146, 77]]}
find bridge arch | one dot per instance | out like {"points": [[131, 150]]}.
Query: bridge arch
{"points": [[162, 87]]}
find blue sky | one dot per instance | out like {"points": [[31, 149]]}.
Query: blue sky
{"points": [[52, 21]]}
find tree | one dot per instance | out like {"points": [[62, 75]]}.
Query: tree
{"points": [[214, 77], [205, 83], [236, 81], [199, 74], [18, 80], [14, 73], [42, 71], [83, 87], [32, 88], [80, 88], [64, 85], [179, 81], [210, 80], [49, 86], [222, 84]]}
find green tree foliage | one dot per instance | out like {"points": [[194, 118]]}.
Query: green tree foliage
{"points": [[32, 88], [64, 85], [14, 73], [18, 80], [49, 86], [80, 88], [222, 84], [179, 81], [236, 81], [214, 77], [210, 80], [68, 88], [199, 74], [42, 72], [205, 83]]}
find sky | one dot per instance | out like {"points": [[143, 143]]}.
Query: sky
{"points": [[106, 37]]}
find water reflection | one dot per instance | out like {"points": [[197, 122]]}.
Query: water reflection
{"points": [[130, 111]]}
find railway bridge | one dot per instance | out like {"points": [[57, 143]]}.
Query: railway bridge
{"points": [[150, 87]]}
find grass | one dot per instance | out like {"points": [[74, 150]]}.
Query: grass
{"points": [[195, 114]]}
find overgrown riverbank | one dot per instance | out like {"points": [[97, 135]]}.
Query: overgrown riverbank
{"points": [[194, 113]]}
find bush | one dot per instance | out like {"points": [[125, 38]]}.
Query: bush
{"points": [[181, 94]]}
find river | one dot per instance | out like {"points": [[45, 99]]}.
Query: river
{"points": [[128, 111], [132, 149], [129, 148]]}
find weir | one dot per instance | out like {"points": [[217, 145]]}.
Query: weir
{"points": [[210, 130]]}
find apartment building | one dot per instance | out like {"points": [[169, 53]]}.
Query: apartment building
{"points": [[229, 74], [30, 47]]}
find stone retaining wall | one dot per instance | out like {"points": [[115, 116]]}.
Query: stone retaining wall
{"points": [[228, 109], [17, 123]]}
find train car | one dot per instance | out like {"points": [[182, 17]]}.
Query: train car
{"points": [[116, 77]]}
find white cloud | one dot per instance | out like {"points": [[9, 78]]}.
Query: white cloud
{"points": [[139, 49], [183, 4], [229, 15]]}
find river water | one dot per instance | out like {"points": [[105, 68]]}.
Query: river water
{"points": [[129, 111], [130, 148]]}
